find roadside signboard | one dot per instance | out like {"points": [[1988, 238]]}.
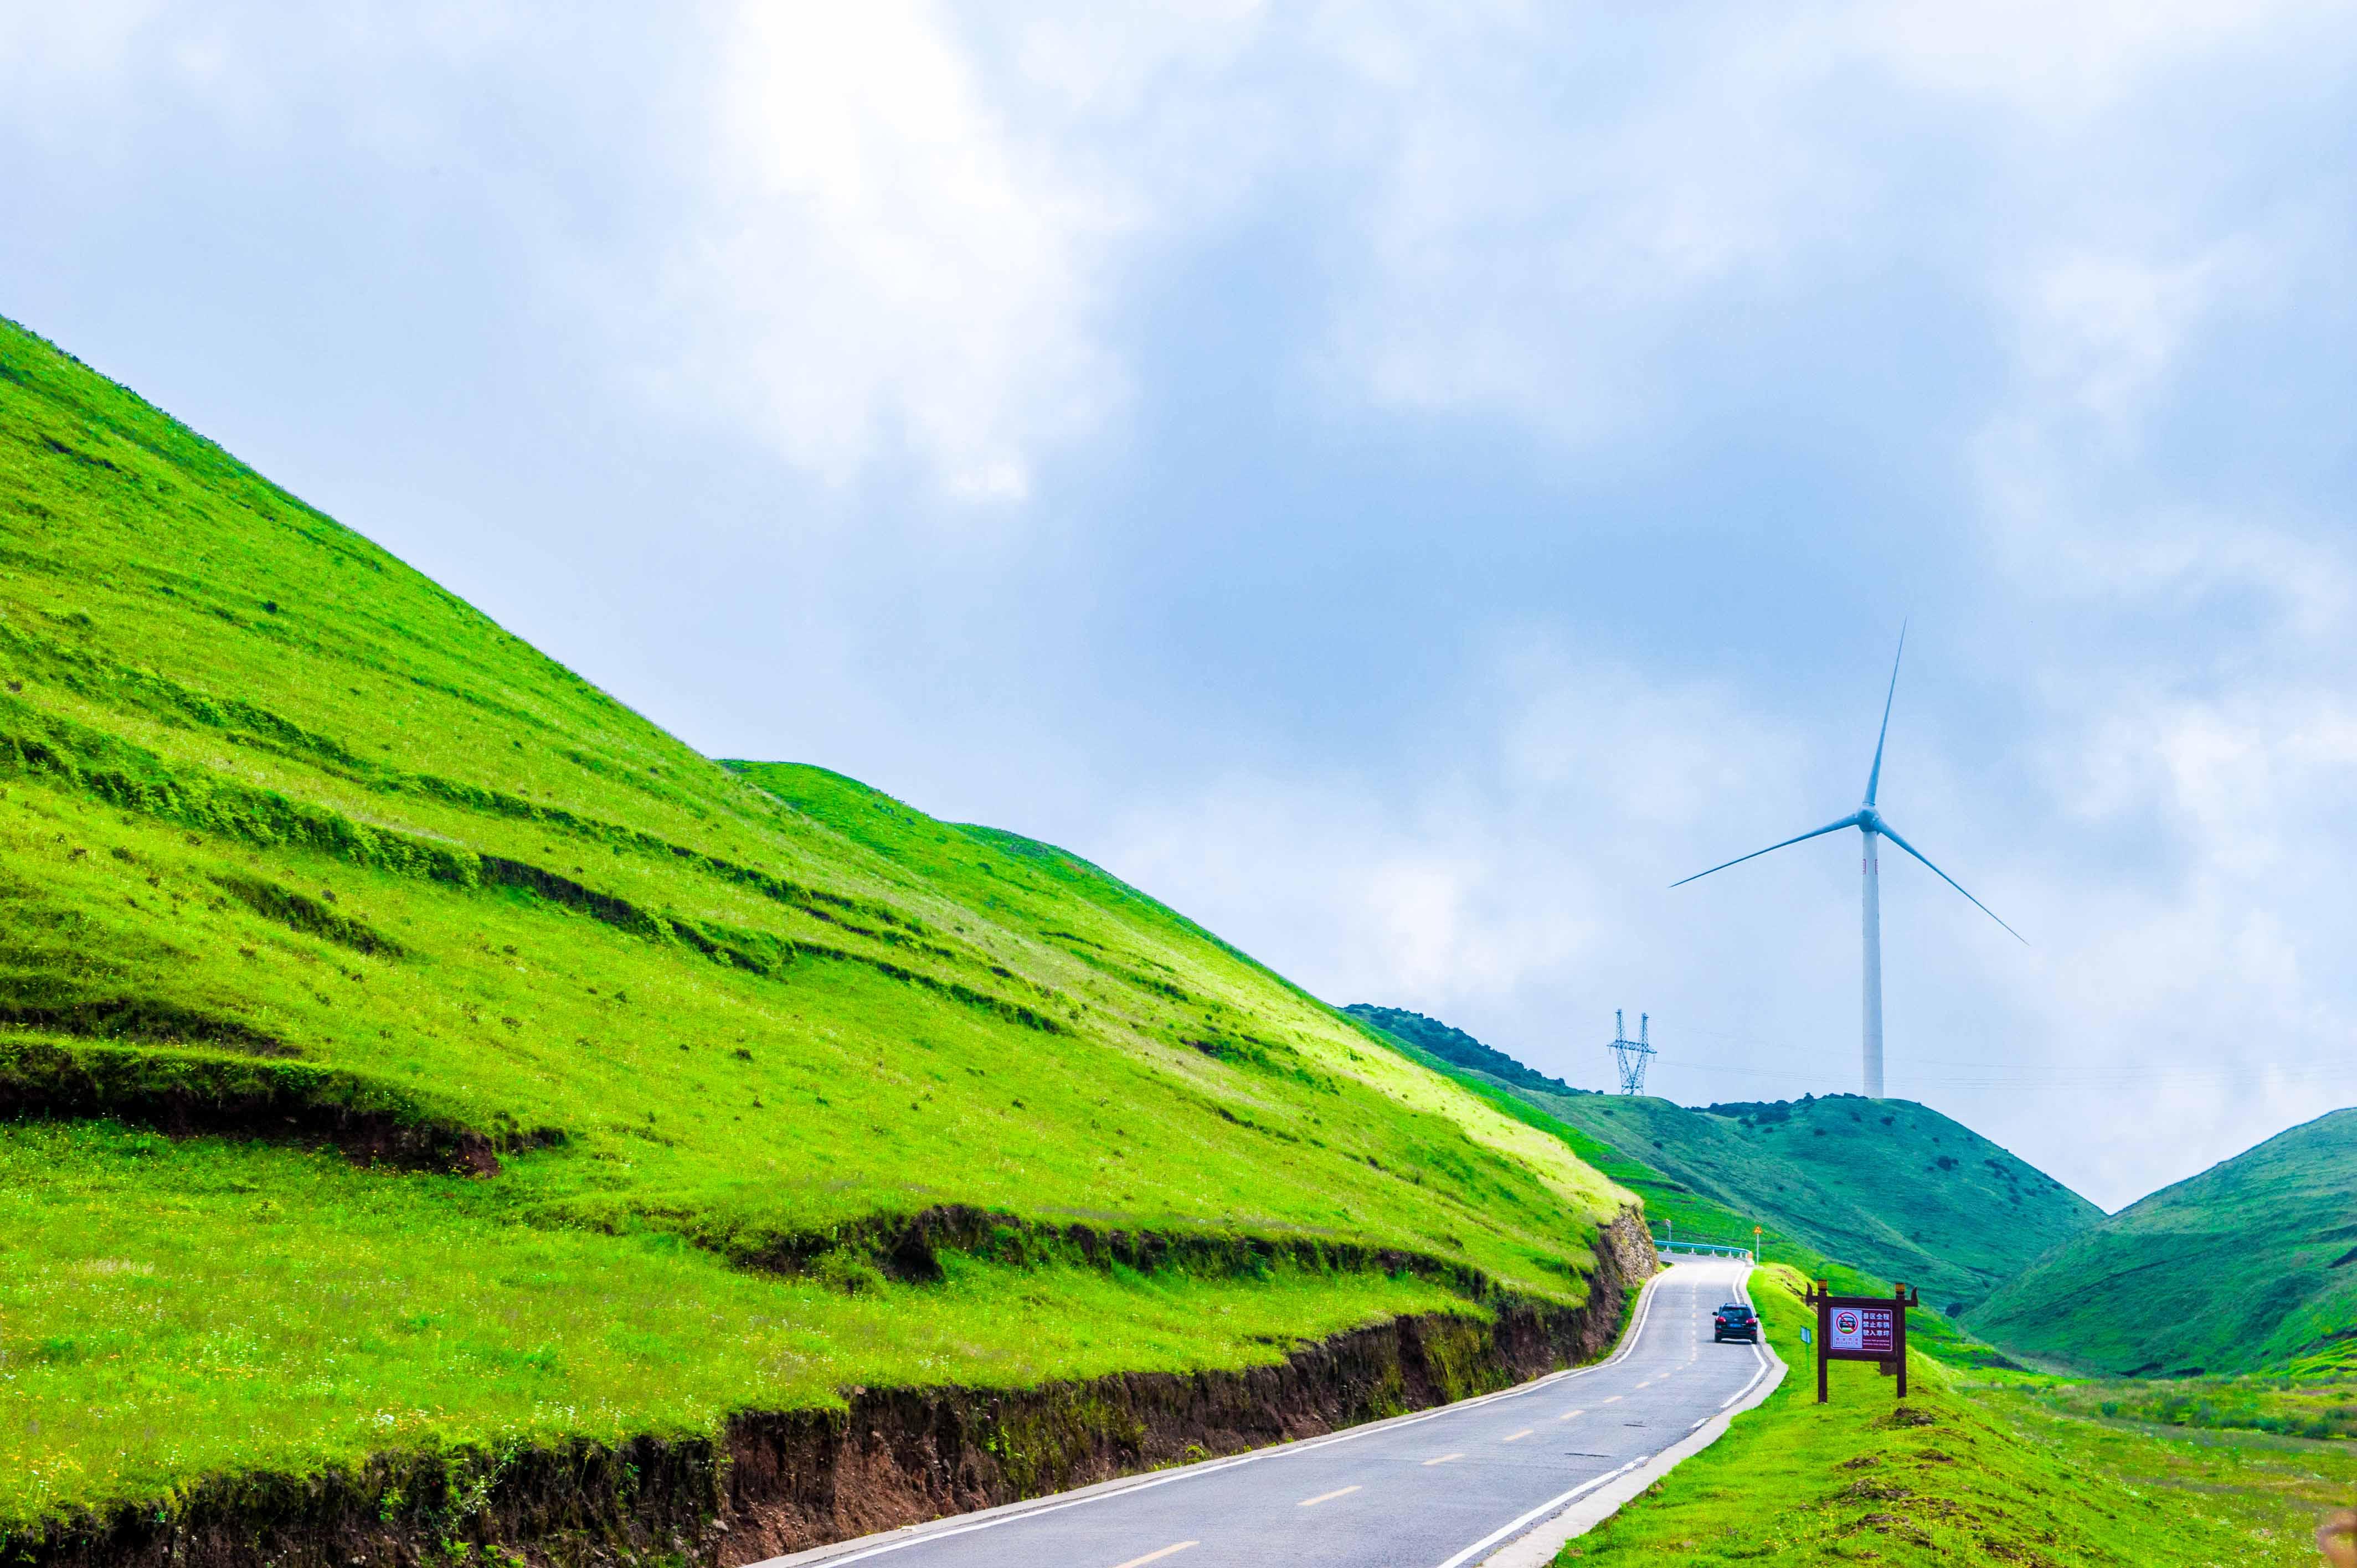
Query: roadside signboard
{"points": [[1862, 1328]]}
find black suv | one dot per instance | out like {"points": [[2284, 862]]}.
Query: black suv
{"points": [[1735, 1321]]}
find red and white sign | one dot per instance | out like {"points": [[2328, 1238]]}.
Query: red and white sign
{"points": [[1867, 1330]]}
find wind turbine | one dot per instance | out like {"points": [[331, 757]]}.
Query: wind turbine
{"points": [[1871, 825]]}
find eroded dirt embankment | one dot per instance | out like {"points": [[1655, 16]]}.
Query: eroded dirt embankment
{"points": [[780, 1482], [187, 1093]]}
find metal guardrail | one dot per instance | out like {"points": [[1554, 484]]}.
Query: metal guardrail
{"points": [[1705, 1250]]}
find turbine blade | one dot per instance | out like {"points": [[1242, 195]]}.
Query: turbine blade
{"points": [[1849, 822], [1952, 882], [1874, 779]]}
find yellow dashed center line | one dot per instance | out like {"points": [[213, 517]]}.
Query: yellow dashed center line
{"points": [[1609, 1399], [1325, 1497], [1566, 1415], [1444, 1459], [1157, 1556], [1518, 1437]]}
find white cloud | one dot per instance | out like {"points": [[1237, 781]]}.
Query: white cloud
{"points": [[1534, 230], [2103, 332], [1370, 900], [1506, 872], [1498, 870], [874, 253], [2064, 62], [1541, 241]]}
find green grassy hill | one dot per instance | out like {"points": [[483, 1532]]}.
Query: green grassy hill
{"points": [[565, 1082], [1888, 1186], [1675, 1208], [1976, 1468], [2252, 1264]]}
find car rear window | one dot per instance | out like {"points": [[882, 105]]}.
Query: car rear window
{"points": [[1734, 1309]]}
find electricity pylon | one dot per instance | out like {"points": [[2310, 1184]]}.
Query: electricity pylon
{"points": [[1631, 1056]]}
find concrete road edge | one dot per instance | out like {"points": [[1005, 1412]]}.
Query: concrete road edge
{"points": [[1537, 1547]]}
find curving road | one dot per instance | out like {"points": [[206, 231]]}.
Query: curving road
{"points": [[1498, 1478]]}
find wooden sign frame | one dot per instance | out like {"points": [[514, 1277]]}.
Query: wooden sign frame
{"points": [[1862, 1328]]}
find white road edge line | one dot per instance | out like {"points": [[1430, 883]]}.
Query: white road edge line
{"points": [[1008, 1513], [1540, 1512], [1579, 1517]]}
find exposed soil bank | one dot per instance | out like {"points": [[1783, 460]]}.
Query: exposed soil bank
{"points": [[899, 1456], [184, 1094], [907, 1247], [777, 1483]]}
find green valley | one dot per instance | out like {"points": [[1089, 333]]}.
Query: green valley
{"points": [[2250, 1265]]}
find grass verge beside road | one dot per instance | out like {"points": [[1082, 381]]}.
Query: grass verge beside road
{"points": [[1975, 1468]]}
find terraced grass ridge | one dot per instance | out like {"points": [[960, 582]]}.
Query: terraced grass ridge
{"points": [[1987, 1468], [2250, 1265], [529, 1077], [1887, 1186]]}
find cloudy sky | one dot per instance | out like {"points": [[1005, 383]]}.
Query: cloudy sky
{"points": [[1403, 485]]}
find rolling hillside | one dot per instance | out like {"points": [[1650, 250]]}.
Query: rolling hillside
{"points": [[564, 1084], [2253, 1263], [1892, 1187], [1887, 1185]]}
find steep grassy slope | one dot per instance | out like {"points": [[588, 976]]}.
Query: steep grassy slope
{"points": [[2252, 1264], [1885, 1185], [662, 1074], [1978, 1470]]}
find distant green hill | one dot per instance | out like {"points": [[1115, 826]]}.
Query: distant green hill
{"points": [[561, 1082], [1459, 1048], [2252, 1264], [1887, 1185], [1677, 1208]]}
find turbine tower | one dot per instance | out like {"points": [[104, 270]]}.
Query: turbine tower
{"points": [[1871, 825]]}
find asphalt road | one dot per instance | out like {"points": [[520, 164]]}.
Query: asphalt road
{"points": [[1443, 1488]]}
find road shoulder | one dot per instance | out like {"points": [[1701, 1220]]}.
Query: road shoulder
{"points": [[846, 1552], [1538, 1546]]}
